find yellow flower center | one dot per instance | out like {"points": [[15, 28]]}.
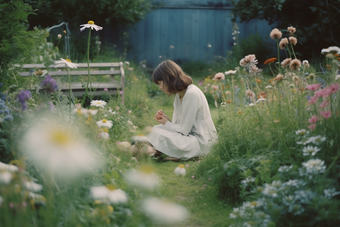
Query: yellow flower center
{"points": [[111, 187], [60, 137], [140, 135], [90, 22], [99, 103], [181, 166], [146, 169], [79, 112], [68, 60], [104, 120], [97, 202], [105, 130], [110, 208], [254, 203]]}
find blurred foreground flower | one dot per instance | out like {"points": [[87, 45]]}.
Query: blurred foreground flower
{"points": [[144, 178], [98, 103], [65, 63], [125, 146], [8, 167], [90, 24], [109, 193], [180, 170], [163, 211], [22, 97], [58, 149]]}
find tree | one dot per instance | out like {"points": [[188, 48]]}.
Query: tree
{"points": [[315, 20]]}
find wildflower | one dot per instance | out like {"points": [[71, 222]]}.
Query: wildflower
{"points": [[332, 49], [313, 87], [314, 166], [219, 77], [239, 112], [275, 34], [269, 87], [37, 199], [5, 177], [313, 119], [279, 77], [163, 211], [324, 103], [227, 92], [258, 81], [58, 149], [49, 84], [284, 169], [32, 186], [326, 114], [209, 45], [261, 100], [305, 63], [295, 64], [309, 150], [249, 62], [329, 193], [65, 63], [250, 93], [316, 140], [81, 111], [283, 43], [247, 181], [228, 101], [109, 193], [125, 146], [9, 167], [104, 123], [214, 87], [143, 178], [313, 100], [98, 103], [22, 97], [270, 60], [333, 88], [293, 40], [291, 86], [90, 24], [301, 132], [92, 111], [104, 134], [291, 30], [59, 36], [180, 170], [172, 47], [285, 62], [230, 72]]}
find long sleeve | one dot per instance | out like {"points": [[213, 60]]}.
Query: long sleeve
{"points": [[190, 106]]}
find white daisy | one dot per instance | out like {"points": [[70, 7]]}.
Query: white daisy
{"points": [[163, 211], [57, 148], [180, 170], [92, 112], [125, 146], [5, 177], [314, 166], [98, 103], [65, 62], [32, 186], [104, 134], [109, 193], [104, 123], [230, 72], [37, 199], [8, 167], [90, 24], [332, 49], [81, 111], [144, 178], [329, 193], [112, 112], [284, 169], [309, 150], [316, 140], [261, 100], [301, 132]]}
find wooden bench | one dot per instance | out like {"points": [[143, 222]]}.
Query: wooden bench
{"points": [[78, 88]]}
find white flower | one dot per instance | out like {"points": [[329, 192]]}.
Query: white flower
{"points": [[284, 169], [112, 112], [143, 178], [92, 112], [90, 24], [125, 146], [261, 100], [139, 139], [8, 167], [104, 134], [37, 199], [98, 103], [81, 111], [309, 150], [314, 166], [65, 63], [316, 140], [329, 193], [163, 211], [108, 193], [247, 181], [251, 104], [104, 123], [209, 45], [57, 148], [268, 87], [301, 132], [337, 77], [5, 177], [230, 72], [332, 49], [32, 186], [59, 36], [180, 170]]}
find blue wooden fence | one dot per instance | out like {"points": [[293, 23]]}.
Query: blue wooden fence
{"points": [[188, 30]]}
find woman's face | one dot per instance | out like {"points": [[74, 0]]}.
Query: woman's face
{"points": [[162, 86]]}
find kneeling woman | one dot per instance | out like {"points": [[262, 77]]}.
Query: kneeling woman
{"points": [[191, 132]]}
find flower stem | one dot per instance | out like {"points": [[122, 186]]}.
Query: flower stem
{"points": [[69, 86], [88, 68], [278, 54], [291, 45]]}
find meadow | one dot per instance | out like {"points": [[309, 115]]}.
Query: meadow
{"points": [[66, 162]]}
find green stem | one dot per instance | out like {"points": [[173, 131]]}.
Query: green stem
{"points": [[69, 86], [290, 56], [278, 54], [291, 45], [88, 67]]}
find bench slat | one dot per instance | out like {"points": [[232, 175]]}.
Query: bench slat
{"points": [[79, 73], [95, 85], [79, 65]]}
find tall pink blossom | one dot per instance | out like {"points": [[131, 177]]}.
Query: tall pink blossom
{"points": [[313, 87], [313, 119], [324, 103], [333, 88], [326, 114], [312, 126], [324, 93], [313, 100]]}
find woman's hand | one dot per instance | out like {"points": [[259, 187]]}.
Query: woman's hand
{"points": [[160, 114], [161, 119]]}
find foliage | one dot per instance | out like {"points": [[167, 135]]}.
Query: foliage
{"points": [[323, 25], [17, 44]]}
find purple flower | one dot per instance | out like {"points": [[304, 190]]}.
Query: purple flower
{"points": [[49, 84], [22, 97]]}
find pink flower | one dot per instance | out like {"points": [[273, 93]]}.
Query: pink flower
{"points": [[209, 178], [129, 111], [121, 92], [324, 93], [205, 185], [326, 114], [214, 87], [312, 126], [313, 87], [333, 88], [187, 165], [313, 100], [105, 89], [192, 176], [313, 119], [208, 84], [324, 103], [200, 83]]}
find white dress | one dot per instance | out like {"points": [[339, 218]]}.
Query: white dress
{"points": [[191, 132]]}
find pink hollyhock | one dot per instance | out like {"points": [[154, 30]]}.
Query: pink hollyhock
{"points": [[324, 93], [324, 103], [313, 87], [313, 100], [312, 126], [313, 119], [333, 88], [326, 114]]}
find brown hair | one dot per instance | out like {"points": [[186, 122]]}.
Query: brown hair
{"points": [[172, 75]]}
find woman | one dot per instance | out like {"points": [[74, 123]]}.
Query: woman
{"points": [[191, 132]]}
